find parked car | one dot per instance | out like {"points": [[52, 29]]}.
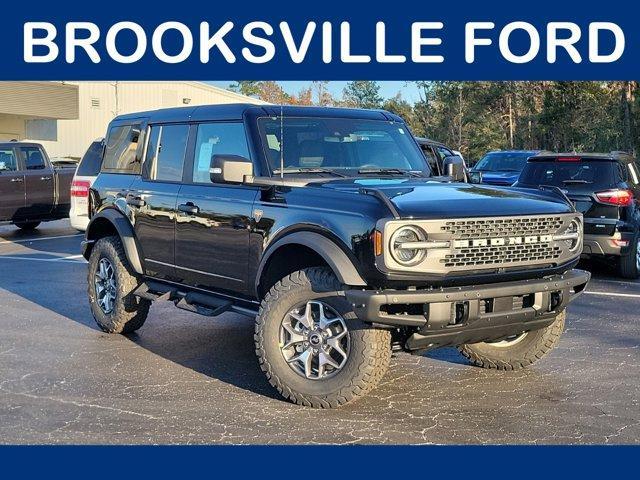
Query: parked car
{"points": [[605, 188], [32, 190], [326, 225], [439, 156], [502, 167], [86, 173]]}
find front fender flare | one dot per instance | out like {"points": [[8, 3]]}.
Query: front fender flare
{"points": [[125, 232], [335, 257]]}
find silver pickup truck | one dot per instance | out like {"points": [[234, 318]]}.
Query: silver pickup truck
{"points": [[32, 189]]}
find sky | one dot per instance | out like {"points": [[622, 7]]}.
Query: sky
{"points": [[388, 89]]}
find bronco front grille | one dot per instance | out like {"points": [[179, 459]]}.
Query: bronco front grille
{"points": [[504, 229], [468, 245]]}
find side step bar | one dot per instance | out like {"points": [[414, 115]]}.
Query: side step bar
{"points": [[206, 304]]}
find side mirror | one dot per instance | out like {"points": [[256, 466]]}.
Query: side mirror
{"points": [[230, 168], [475, 177], [453, 166]]}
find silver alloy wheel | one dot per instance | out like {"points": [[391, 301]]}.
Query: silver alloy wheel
{"points": [[105, 284], [314, 340], [509, 341], [638, 255]]}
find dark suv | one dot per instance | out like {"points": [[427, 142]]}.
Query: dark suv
{"points": [[326, 225], [605, 188]]}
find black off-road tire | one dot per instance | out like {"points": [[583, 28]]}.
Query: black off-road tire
{"points": [[27, 226], [535, 345], [628, 265], [129, 312], [370, 348]]}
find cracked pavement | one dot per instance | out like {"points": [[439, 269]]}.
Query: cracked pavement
{"points": [[188, 379]]}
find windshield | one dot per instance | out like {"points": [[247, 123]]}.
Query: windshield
{"points": [[503, 162], [570, 175], [341, 145]]}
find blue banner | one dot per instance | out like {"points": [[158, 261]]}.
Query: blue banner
{"points": [[352, 462], [333, 40]]}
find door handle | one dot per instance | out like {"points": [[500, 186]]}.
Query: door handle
{"points": [[17, 180], [189, 208], [45, 179], [135, 201]]}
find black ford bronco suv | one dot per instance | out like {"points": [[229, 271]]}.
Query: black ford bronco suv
{"points": [[327, 226]]}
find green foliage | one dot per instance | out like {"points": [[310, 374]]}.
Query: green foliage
{"points": [[476, 117], [250, 88], [362, 94]]}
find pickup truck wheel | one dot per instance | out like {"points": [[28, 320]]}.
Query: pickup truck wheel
{"points": [[516, 352], [630, 263], [27, 225], [312, 347], [111, 282]]}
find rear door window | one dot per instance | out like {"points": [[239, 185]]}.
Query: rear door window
{"points": [[33, 158], [8, 160], [166, 151], [91, 161], [120, 149]]}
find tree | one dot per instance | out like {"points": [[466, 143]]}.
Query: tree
{"points": [[250, 88], [402, 108], [362, 94], [321, 93]]}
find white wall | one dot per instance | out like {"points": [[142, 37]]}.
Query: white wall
{"points": [[74, 136]]}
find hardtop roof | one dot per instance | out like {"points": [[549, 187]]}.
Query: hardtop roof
{"points": [[236, 111]]}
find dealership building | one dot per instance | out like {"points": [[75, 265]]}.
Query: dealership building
{"points": [[67, 116]]}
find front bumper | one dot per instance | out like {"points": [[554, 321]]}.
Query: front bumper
{"points": [[476, 313]]}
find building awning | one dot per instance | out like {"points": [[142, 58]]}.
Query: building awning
{"points": [[54, 100]]}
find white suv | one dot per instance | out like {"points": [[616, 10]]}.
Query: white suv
{"points": [[86, 173]]}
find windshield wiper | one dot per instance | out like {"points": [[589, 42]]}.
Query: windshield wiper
{"points": [[389, 171], [309, 170], [577, 182], [507, 170]]}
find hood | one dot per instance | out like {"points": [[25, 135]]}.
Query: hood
{"points": [[421, 198], [500, 178]]}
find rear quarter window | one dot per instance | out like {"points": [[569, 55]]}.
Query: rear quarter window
{"points": [[598, 174], [91, 161], [120, 149]]}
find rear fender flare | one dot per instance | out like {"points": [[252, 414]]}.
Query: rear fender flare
{"points": [[125, 231]]}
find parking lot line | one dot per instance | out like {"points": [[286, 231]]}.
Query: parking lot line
{"points": [[630, 295], [24, 240], [69, 259]]}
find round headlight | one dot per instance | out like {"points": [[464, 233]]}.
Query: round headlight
{"points": [[574, 228], [401, 252]]}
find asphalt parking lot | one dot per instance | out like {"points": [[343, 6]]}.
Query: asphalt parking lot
{"points": [[183, 378]]}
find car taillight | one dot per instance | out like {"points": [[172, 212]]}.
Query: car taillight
{"points": [[80, 188], [619, 197], [568, 159]]}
